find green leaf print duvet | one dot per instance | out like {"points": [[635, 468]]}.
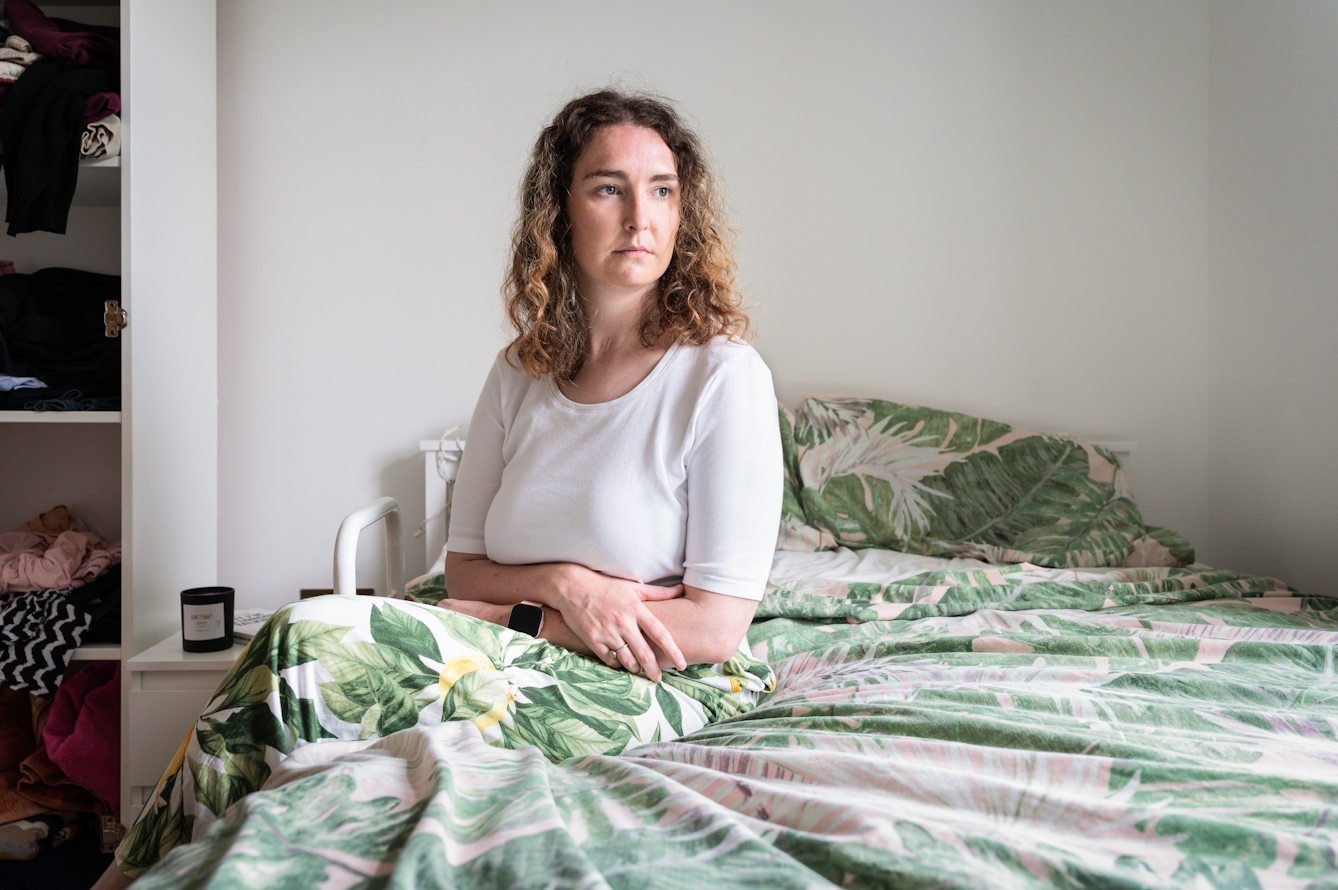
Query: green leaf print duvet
{"points": [[1083, 707], [360, 668], [1012, 726]]}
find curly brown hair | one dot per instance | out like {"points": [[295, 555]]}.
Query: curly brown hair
{"points": [[697, 298]]}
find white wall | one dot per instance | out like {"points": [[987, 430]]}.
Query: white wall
{"points": [[1274, 267], [998, 207]]}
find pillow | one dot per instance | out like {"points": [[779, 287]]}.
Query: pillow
{"points": [[865, 473]]}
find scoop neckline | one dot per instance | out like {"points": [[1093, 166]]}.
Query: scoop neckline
{"points": [[631, 394]]}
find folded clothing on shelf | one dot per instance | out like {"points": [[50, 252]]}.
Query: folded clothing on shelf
{"points": [[49, 553], [8, 383], [83, 731], [101, 139], [101, 599], [30, 782], [39, 134], [100, 106], [70, 43], [63, 587], [51, 327], [51, 399], [39, 632], [15, 57]]}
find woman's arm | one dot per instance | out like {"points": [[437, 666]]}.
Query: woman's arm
{"points": [[710, 624], [601, 616]]}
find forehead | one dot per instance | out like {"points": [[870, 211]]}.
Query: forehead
{"points": [[627, 148]]}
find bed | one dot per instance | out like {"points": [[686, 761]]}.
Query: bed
{"points": [[990, 672]]}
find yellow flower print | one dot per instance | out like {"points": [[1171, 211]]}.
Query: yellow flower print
{"points": [[460, 665], [494, 715]]}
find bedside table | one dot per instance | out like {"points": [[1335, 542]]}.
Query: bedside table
{"points": [[168, 689]]}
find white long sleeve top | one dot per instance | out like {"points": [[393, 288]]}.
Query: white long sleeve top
{"points": [[681, 477]]}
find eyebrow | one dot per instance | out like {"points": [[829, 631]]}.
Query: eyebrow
{"points": [[618, 174]]}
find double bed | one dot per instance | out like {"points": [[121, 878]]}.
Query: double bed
{"points": [[989, 673]]}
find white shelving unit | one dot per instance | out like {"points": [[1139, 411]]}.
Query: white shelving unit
{"points": [[165, 515], [98, 652], [93, 242]]}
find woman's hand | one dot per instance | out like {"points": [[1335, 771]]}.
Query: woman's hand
{"points": [[600, 616], [609, 616]]}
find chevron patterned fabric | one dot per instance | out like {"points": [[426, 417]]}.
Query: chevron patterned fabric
{"points": [[39, 631]]}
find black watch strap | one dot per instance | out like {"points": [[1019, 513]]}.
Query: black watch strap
{"points": [[526, 618]]}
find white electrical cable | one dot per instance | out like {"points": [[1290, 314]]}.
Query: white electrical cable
{"points": [[445, 457]]}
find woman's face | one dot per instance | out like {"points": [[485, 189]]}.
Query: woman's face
{"points": [[623, 210]]}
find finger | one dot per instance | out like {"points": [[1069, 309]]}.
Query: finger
{"points": [[625, 657], [643, 654], [660, 636], [650, 593]]}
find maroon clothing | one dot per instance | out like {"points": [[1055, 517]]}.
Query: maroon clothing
{"points": [[70, 43], [101, 105]]}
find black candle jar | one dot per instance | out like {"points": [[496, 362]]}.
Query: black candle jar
{"points": [[206, 619]]}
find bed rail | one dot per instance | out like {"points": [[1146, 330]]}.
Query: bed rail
{"points": [[346, 548]]}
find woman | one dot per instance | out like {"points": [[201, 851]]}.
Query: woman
{"points": [[623, 402], [618, 499]]}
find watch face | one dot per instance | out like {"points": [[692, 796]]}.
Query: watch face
{"points": [[526, 618]]}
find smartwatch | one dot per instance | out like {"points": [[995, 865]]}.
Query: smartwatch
{"points": [[526, 618]]}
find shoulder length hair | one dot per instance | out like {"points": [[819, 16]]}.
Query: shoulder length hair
{"points": [[697, 299]]}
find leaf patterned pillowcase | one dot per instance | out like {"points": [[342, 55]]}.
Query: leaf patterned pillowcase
{"points": [[870, 473]]}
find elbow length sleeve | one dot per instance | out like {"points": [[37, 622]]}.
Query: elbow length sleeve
{"points": [[735, 483], [480, 472]]}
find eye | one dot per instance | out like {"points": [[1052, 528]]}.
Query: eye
{"points": [[662, 191], [607, 190]]}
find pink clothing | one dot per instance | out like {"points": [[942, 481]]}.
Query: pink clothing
{"points": [[83, 731], [33, 560]]}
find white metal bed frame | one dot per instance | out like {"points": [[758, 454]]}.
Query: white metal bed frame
{"points": [[440, 463]]}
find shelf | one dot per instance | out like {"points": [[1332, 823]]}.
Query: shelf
{"points": [[97, 652], [60, 416], [99, 184]]}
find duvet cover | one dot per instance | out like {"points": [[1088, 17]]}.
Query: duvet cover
{"points": [[1046, 692], [1018, 727]]}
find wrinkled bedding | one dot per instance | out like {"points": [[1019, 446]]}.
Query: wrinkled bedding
{"points": [[1001, 726], [989, 672]]}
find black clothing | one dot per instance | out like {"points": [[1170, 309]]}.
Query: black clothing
{"points": [[101, 599], [51, 328], [39, 136]]}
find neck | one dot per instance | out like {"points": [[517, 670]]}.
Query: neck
{"points": [[614, 316]]}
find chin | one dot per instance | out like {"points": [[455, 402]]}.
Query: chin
{"points": [[634, 277]]}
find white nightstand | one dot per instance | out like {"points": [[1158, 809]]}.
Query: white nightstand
{"points": [[168, 689]]}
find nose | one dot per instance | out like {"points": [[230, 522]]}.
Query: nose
{"points": [[636, 217]]}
